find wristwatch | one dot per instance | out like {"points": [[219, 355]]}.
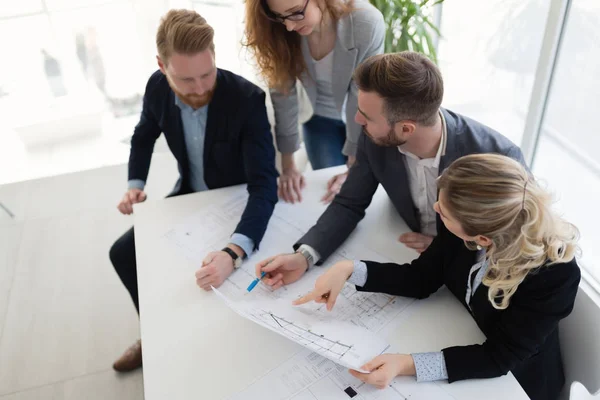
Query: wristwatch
{"points": [[237, 260], [307, 255]]}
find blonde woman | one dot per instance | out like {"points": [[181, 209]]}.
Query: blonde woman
{"points": [[505, 255], [320, 43]]}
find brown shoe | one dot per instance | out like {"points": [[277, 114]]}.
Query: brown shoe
{"points": [[131, 359]]}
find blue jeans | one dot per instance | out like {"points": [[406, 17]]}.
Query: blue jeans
{"points": [[324, 139]]}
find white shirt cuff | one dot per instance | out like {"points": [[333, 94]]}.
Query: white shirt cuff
{"points": [[315, 254]]}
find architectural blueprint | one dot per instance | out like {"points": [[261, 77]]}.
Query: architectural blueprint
{"points": [[309, 376], [340, 341]]}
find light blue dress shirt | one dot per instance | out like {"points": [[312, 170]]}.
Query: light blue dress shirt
{"points": [[194, 129]]}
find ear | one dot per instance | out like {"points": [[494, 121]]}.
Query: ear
{"points": [[408, 127], [161, 65], [483, 241]]}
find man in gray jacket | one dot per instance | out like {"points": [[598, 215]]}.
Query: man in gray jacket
{"points": [[407, 141]]}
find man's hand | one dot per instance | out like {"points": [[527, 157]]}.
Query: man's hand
{"points": [[335, 183], [416, 241], [384, 368], [216, 267], [132, 197], [282, 269]]}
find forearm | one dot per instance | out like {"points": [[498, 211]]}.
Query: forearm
{"points": [[257, 214], [288, 161], [285, 110]]}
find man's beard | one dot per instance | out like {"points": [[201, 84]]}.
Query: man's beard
{"points": [[389, 141], [193, 100]]}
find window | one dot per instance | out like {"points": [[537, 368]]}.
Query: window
{"points": [[567, 155], [488, 54], [224, 17], [21, 7], [72, 84]]}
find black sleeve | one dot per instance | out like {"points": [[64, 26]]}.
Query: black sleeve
{"points": [[418, 279], [531, 316], [144, 137], [261, 174]]}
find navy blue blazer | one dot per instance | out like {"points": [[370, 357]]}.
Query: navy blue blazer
{"points": [[238, 145]]}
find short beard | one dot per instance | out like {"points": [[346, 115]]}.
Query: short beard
{"points": [[389, 141], [193, 100]]}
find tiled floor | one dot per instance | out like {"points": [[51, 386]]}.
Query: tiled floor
{"points": [[64, 316], [103, 385]]}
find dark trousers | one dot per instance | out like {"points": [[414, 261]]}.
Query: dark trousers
{"points": [[122, 256]]}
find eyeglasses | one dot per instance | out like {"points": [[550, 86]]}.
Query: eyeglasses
{"points": [[295, 16]]}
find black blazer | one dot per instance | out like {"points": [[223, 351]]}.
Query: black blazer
{"points": [[385, 165], [238, 144], [522, 339]]}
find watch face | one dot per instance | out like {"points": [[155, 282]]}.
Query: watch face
{"points": [[238, 262]]}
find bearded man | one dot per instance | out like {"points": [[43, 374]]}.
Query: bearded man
{"points": [[215, 123]]}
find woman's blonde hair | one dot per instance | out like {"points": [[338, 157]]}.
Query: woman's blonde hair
{"points": [[494, 196], [278, 53]]}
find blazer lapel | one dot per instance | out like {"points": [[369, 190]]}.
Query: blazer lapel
{"points": [[452, 146], [398, 185], [344, 59], [175, 127]]}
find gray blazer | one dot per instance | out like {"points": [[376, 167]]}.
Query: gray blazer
{"points": [[360, 35], [376, 164]]}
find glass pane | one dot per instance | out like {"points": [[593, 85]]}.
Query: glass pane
{"points": [[16, 7], [224, 18], [74, 92], [101, 48], [567, 155], [54, 5], [36, 77], [488, 54], [176, 4]]}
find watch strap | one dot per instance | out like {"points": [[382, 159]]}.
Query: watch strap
{"points": [[237, 260]]}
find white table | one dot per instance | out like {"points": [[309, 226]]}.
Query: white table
{"points": [[196, 348]]}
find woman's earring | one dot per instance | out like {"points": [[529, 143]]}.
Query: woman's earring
{"points": [[479, 247]]}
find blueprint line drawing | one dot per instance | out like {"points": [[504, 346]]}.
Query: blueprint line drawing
{"points": [[340, 341], [308, 376], [335, 347]]}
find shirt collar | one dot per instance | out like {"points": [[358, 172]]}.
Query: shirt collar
{"points": [[441, 149], [184, 107]]}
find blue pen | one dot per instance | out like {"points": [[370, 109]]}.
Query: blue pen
{"points": [[255, 282]]}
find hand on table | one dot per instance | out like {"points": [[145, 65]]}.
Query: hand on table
{"points": [[216, 267], [291, 183], [384, 368], [282, 269], [334, 185], [416, 241], [131, 197], [329, 285]]}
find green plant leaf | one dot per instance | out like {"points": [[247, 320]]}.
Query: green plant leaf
{"points": [[408, 26]]}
